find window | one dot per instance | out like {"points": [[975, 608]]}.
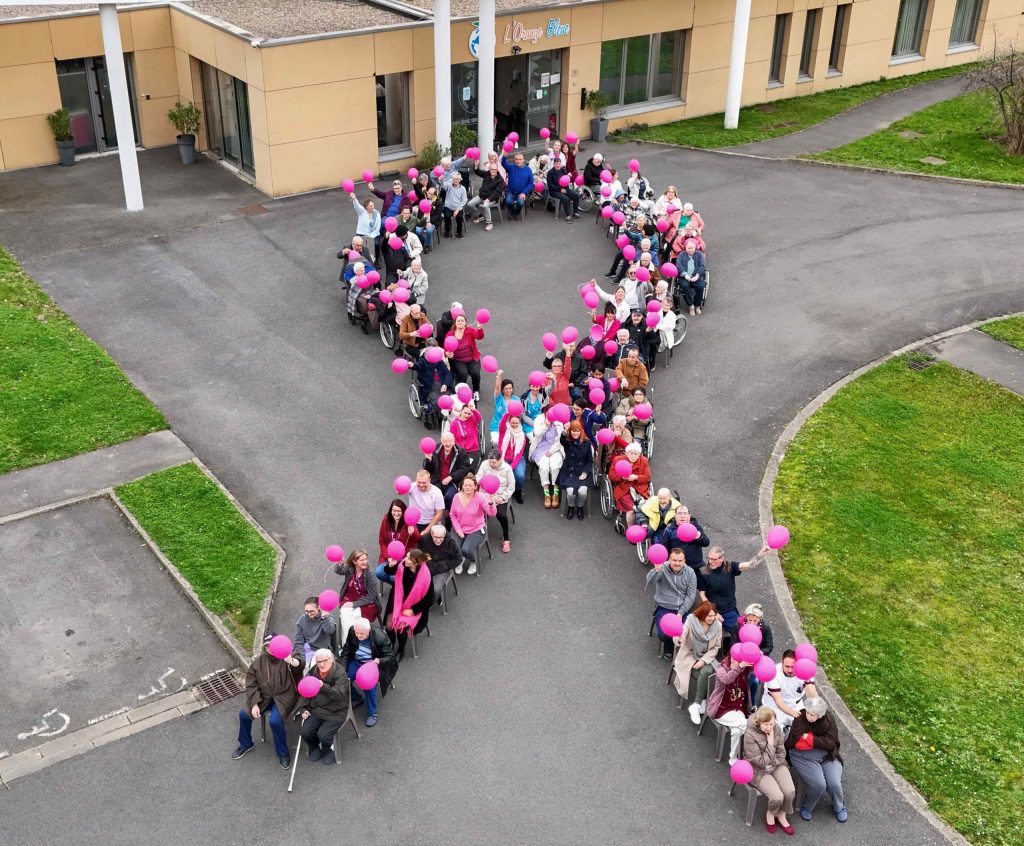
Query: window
{"points": [[836, 52], [464, 102], [392, 112], [909, 28], [807, 48], [965, 23], [228, 130], [642, 68], [777, 69]]}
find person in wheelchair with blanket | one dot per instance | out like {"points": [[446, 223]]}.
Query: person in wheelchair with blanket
{"points": [[432, 378]]}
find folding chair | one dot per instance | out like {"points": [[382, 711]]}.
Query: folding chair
{"points": [[449, 579], [753, 794]]}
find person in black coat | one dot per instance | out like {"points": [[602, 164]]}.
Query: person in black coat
{"points": [[394, 260], [490, 195], [367, 641], [448, 466], [415, 559], [324, 714], [445, 555], [576, 475], [692, 549], [753, 615]]}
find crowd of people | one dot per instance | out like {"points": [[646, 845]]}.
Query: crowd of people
{"points": [[582, 421]]}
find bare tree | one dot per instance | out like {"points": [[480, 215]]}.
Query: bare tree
{"points": [[1003, 76]]}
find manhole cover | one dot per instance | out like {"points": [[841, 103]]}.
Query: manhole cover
{"points": [[921, 361], [219, 686], [249, 211]]}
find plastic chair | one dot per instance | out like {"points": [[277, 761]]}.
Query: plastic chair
{"points": [[450, 578], [753, 794]]}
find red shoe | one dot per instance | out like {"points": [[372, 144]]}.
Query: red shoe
{"points": [[506, 546], [770, 827], [788, 829]]}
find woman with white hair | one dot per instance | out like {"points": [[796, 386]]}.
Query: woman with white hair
{"points": [[637, 481], [813, 746], [547, 453]]}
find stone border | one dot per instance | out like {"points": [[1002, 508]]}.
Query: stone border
{"points": [[785, 597]]}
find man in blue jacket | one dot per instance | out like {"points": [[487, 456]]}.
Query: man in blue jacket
{"points": [[520, 183], [567, 196], [692, 267]]}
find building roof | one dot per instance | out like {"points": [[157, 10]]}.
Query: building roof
{"points": [[471, 8]]}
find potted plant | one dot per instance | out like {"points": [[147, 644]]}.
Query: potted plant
{"points": [[185, 117], [598, 103], [463, 137], [60, 125]]}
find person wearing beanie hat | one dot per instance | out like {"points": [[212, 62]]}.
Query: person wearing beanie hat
{"points": [[270, 691]]}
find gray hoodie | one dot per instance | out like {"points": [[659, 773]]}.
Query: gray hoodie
{"points": [[316, 632], [674, 591]]}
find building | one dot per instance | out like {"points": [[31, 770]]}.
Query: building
{"points": [[298, 94]]}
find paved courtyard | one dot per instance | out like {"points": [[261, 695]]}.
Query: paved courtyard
{"points": [[537, 711]]}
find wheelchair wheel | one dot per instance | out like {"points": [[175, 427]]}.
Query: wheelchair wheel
{"points": [[586, 198], [649, 441], [389, 334], [680, 332], [607, 500], [707, 287], [415, 406], [642, 548]]}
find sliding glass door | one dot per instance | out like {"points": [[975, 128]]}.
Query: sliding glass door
{"points": [[228, 130]]}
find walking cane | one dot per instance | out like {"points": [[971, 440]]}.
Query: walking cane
{"points": [[295, 763]]}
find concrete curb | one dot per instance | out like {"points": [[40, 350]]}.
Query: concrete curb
{"points": [[785, 597]]}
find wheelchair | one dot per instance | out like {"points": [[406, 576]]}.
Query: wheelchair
{"points": [[610, 512], [588, 197], [387, 323], [428, 411]]}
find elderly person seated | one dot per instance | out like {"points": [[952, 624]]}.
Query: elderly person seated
{"points": [[592, 171], [490, 195], [313, 630], [444, 554], [408, 605], [753, 615], [409, 330], [668, 202], [675, 589], [448, 466], [428, 221], [727, 704], [637, 483], [357, 246], [699, 646], [520, 183], [368, 225], [547, 453], [495, 466], [367, 642], [785, 693], [632, 372], [627, 407], [763, 746], [692, 549], [692, 268], [455, 200], [659, 510], [269, 689], [393, 201], [813, 746], [325, 713], [416, 276], [566, 196]]}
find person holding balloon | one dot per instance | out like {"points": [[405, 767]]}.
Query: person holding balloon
{"points": [[413, 329], [429, 214], [443, 553], [813, 745], [504, 391], [659, 510], [465, 427], [632, 372], [411, 598], [455, 200], [630, 476], [461, 342], [753, 615], [785, 693], [313, 630], [547, 453], [716, 582], [727, 704], [533, 406], [699, 646], [433, 378], [367, 644], [512, 446], [448, 466], [359, 596], [368, 224], [764, 748], [323, 701], [637, 411], [270, 689], [576, 473], [394, 528], [469, 512], [675, 589], [561, 191]]}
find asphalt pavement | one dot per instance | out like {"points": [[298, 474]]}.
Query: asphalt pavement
{"points": [[538, 710]]}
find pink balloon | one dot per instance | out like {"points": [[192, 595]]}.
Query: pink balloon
{"points": [[334, 553], [427, 446], [606, 177], [538, 378], [508, 146], [569, 334], [386, 297], [622, 240], [749, 633], [403, 484], [571, 138], [412, 173], [642, 273], [445, 402], [489, 364], [328, 600], [606, 191], [623, 468], [434, 354], [367, 676], [373, 276], [367, 176], [652, 320], [451, 343], [597, 396], [544, 133], [490, 483], [483, 316], [411, 196], [458, 311], [588, 352], [513, 137], [653, 307], [396, 550], [438, 171], [777, 537], [643, 411], [618, 218], [636, 534], [425, 206], [610, 347], [309, 686], [686, 532], [564, 180], [613, 382], [579, 178], [560, 413], [550, 341], [363, 282], [749, 653], [657, 554], [391, 224], [280, 646], [401, 295], [669, 270], [804, 669], [395, 242], [473, 153], [605, 436], [348, 186], [634, 165], [515, 408], [670, 625], [806, 650], [412, 515], [741, 771], [662, 225], [400, 365], [538, 187], [607, 212], [736, 653], [764, 669], [595, 333], [464, 393], [591, 300], [425, 331]]}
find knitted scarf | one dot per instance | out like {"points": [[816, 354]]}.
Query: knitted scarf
{"points": [[400, 621]]}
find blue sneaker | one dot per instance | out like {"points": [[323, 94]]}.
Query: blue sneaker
{"points": [[372, 721], [841, 815], [805, 815]]}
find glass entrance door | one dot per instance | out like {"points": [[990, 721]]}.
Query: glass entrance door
{"points": [[228, 130], [544, 95], [85, 93]]}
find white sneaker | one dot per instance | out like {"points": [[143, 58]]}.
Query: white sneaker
{"points": [[704, 707], [472, 569], [694, 710], [476, 396], [458, 570]]}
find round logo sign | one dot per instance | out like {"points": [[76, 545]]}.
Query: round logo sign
{"points": [[474, 40]]}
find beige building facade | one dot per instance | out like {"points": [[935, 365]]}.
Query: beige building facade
{"points": [[296, 110]]}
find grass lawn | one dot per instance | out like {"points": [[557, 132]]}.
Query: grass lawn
{"points": [[1009, 331], [785, 117], [961, 131], [905, 498], [60, 393], [199, 529]]}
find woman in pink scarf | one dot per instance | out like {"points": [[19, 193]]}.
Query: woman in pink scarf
{"points": [[465, 428], [512, 446], [410, 599]]}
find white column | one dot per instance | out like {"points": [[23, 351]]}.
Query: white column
{"points": [[485, 78], [443, 72], [737, 60], [122, 108]]}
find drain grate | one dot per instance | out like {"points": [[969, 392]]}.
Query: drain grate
{"points": [[249, 211], [219, 686], [920, 361]]}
